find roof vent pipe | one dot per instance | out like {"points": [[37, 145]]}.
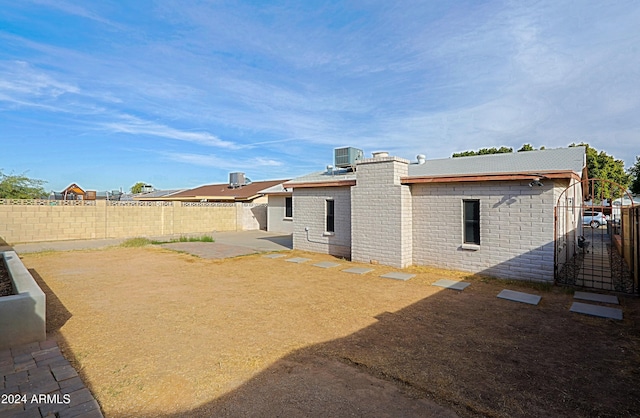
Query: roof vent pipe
{"points": [[329, 169], [421, 158], [380, 154]]}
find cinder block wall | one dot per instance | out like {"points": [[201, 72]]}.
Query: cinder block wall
{"points": [[24, 221], [309, 207], [513, 241], [381, 213]]}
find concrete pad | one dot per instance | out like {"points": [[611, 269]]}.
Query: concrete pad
{"points": [[451, 284], [297, 260], [596, 310], [519, 297], [274, 255], [357, 270], [596, 297], [326, 264], [398, 276], [209, 250]]}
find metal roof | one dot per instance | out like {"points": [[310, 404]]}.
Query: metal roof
{"points": [[540, 161], [335, 175], [532, 162]]}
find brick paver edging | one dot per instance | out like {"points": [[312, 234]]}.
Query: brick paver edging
{"points": [[37, 381]]}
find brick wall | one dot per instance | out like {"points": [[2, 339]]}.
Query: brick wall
{"points": [[516, 228], [33, 221], [381, 217], [309, 210]]}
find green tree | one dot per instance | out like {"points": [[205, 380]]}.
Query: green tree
{"points": [[484, 151], [20, 187], [634, 172], [601, 165], [137, 188], [526, 147]]}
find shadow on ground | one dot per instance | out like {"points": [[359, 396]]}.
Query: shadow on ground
{"points": [[284, 240], [57, 313], [469, 352]]}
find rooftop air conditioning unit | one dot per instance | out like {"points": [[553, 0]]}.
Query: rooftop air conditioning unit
{"points": [[236, 180], [347, 157]]}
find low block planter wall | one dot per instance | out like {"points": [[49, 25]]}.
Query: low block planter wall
{"points": [[22, 315]]}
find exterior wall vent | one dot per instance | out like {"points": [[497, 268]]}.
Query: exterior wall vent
{"points": [[236, 180], [347, 157]]}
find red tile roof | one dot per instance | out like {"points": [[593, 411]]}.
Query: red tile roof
{"points": [[222, 191]]}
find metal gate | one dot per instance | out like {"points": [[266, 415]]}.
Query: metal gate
{"points": [[596, 237]]}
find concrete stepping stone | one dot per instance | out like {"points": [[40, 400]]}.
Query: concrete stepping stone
{"points": [[357, 270], [596, 297], [451, 284], [519, 297], [596, 310], [326, 264], [297, 260], [398, 276], [274, 255]]}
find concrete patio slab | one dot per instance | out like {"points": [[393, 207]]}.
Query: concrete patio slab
{"points": [[274, 255], [519, 297], [357, 270], [398, 276], [210, 250], [596, 297], [297, 260], [327, 264], [451, 284], [256, 241], [596, 310]]}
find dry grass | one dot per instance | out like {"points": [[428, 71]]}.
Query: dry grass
{"points": [[160, 333]]}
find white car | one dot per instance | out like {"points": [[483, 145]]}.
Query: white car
{"points": [[594, 219]]}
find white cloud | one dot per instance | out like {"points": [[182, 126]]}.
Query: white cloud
{"points": [[20, 81], [136, 126], [228, 162]]}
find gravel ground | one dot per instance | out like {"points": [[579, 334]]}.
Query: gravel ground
{"points": [[5, 283]]}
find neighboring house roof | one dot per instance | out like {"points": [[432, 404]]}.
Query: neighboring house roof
{"points": [[154, 195], [73, 188], [224, 192]]}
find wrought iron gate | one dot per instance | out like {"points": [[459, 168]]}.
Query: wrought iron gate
{"points": [[596, 228]]}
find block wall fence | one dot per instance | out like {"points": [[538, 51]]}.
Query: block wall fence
{"points": [[23, 221]]}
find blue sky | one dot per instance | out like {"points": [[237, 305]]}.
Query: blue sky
{"points": [[180, 93]]}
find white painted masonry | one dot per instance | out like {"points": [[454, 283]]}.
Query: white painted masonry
{"points": [[395, 213], [516, 228], [276, 219], [309, 212], [381, 215]]}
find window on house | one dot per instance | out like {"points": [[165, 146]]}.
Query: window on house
{"points": [[471, 221], [288, 207], [330, 216]]}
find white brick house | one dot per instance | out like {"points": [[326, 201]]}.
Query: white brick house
{"points": [[491, 214]]}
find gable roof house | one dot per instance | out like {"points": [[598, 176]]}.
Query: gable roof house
{"points": [[223, 192], [245, 195], [488, 214]]}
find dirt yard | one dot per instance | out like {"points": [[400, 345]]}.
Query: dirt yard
{"points": [[160, 333]]}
